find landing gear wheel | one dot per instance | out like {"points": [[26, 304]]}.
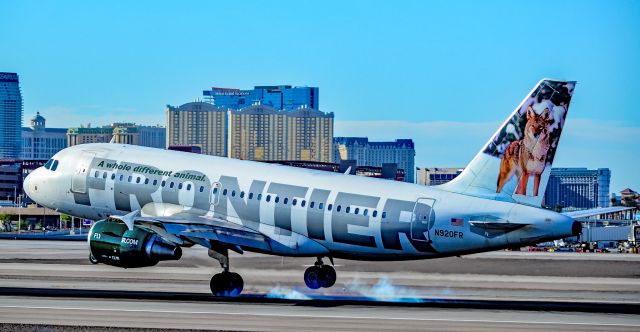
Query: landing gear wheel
{"points": [[329, 276], [93, 259], [313, 277], [226, 284]]}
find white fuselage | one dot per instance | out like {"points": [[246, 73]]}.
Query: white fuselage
{"points": [[349, 216]]}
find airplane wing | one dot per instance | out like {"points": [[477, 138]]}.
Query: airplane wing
{"points": [[596, 211], [187, 229]]}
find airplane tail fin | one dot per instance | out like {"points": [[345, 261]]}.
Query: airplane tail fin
{"points": [[515, 164]]}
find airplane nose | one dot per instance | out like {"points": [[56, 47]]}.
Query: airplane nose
{"points": [[25, 185]]}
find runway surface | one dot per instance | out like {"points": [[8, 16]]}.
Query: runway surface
{"points": [[610, 280]]}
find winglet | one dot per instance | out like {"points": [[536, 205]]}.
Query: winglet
{"points": [[129, 218]]}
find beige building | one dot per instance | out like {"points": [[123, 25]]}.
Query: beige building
{"points": [[310, 135], [124, 133], [198, 124], [261, 132], [431, 176]]}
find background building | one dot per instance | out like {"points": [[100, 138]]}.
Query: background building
{"points": [[261, 132], [280, 97], [432, 176], [124, 133], [198, 124], [309, 135], [12, 174], [366, 153], [40, 142], [10, 116], [578, 188]]}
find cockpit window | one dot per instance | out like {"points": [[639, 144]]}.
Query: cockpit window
{"points": [[55, 165], [48, 164]]}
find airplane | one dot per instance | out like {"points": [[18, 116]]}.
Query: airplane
{"points": [[150, 203]]}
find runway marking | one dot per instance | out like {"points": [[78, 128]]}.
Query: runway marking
{"points": [[322, 316]]}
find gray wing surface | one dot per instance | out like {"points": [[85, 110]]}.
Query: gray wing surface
{"points": [[187, 228]]}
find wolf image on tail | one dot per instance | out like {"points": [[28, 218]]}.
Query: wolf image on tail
{"points": [[528, 156]]}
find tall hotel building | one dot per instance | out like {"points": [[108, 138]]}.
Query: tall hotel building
{"points": [[10, 116], [367, 153], [198, 124], [260, 132], [279, 97], [578, 188]]}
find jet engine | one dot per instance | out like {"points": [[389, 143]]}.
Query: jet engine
{"points": [[113, 243]]}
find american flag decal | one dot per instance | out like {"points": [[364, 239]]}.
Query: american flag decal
{"points": [[457, 222]]}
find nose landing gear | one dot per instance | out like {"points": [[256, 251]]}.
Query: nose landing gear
{"points": [[320, 275]]}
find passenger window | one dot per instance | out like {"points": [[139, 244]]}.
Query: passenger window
{"points": [[164, 183], [121, 177], [55, 165], [285, 201], [113, 176], [338, 208], [224, 192], [356, 211], [347, 209], [180, 186], [104, 175], [188, 186], [311, 205], [384, 214], [320, 206], [303, 203], [250, 195], [138, 179], [294, 202], [129, 178], [171, 184], [215, 190], [242, 194], [259, 196], [365, 212], [95, 175], [268, 198], [201, 188], [146, 181], [277, 199], [155, 182], [233, 193], [329, 207]]}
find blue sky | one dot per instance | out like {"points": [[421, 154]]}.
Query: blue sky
{"points": [[445, 73]]}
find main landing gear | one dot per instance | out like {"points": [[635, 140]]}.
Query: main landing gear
{"points": [[320, 275], [225, 283]]}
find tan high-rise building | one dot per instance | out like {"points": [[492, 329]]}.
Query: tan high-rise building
{"points": [[309, 135], [261, 132], [257, 132], [198, 124]]}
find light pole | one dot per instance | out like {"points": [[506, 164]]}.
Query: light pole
{"points": [[19, 211]]}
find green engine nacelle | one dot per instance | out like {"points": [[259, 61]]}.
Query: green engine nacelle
{"points": [[112, 243]]}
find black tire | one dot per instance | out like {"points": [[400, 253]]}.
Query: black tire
{"points": [[226, 284], [328, 276], [313, 277], [93, 259]]}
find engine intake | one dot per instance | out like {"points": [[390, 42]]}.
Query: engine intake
{"points": [[112, 243]]}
